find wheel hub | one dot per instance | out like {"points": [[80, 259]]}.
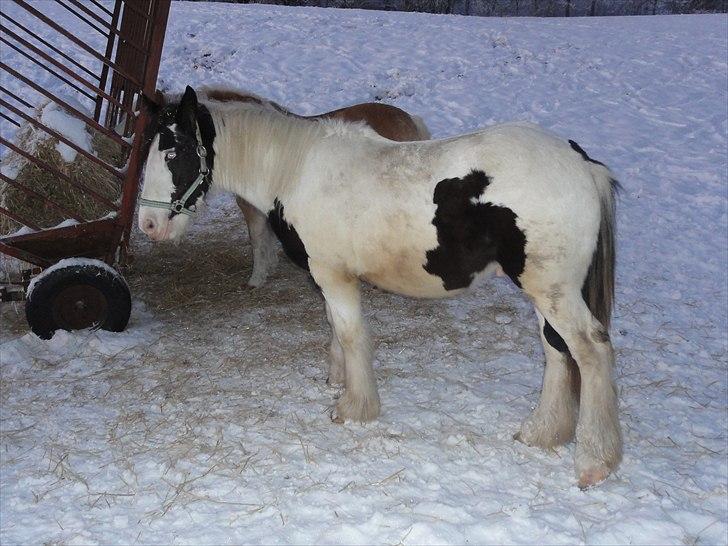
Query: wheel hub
{"points": [[79, 306]]}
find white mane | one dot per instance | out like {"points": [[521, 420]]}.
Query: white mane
{"points": [[258, 143]]}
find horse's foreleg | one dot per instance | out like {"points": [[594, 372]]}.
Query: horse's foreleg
{"points": [[360, 400], [598, 435], [553, 421], [263, 240], [336, 354]]}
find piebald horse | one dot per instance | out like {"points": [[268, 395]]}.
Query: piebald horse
{"points": [[423, 219], [389, 121]]}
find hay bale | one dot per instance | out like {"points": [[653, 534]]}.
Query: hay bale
{"points": [[77, 167]]}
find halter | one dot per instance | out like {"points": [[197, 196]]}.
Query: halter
{"points": [[178, 206]]}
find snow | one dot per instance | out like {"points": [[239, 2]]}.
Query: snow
{"points": [[74, 129], [207, 420], [70, 262], [69, 222]]}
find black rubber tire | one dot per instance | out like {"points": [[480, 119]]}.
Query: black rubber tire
{"points": [[78, 296]]}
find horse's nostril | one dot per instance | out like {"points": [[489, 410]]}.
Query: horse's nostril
{"points": [[149, 225]]}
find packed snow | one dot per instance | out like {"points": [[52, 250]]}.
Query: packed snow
{"points": [[73, 128], [70, 262], [207, 421]]}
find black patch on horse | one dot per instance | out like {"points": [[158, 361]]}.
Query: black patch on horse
{"points": [[187, 117], [472, 235], [554, 339], [578, 149], [286, 233]]}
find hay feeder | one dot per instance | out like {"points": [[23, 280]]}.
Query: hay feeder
{"points": [[72, 155]]}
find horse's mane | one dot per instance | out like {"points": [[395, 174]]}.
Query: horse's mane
{"points": [[240, 97], [254, 133]]}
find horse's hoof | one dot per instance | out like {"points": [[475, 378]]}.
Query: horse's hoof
{"points": [[359, 410], [593, 476], [255, 283], [536, 433], [597, 455]]}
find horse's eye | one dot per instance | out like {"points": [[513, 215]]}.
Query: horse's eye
{"points": [[169, 156]]}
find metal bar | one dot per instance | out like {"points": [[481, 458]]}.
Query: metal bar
{"points": [[45, 166], [63, 210], [131, 182], [47, 68], [95, 226], [16, 97], [65, 69], [156, 44], [26, 223], [131, 7], [49, 45], [21, 254], [136, 28], [95, 16], [105, 70], [102, 8], [89, 121], [112, 29], [89, 23], [93, 239], [11, 120], [130, 188], [83, 45]]}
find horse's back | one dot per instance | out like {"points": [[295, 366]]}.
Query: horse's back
{"points": [[388, 121]]}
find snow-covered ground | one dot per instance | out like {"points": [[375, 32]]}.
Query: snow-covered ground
{"points": [[207, 421]]}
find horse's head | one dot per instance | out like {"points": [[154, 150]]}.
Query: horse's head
{"points": [[178, 166]]}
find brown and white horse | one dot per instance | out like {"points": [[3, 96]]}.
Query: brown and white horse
{"points": [[424, 219], [388, 121]]}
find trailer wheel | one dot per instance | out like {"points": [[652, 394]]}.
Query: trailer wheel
{"points": [[77, 293]]}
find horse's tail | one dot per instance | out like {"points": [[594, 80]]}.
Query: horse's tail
{"points": [[598, 289], [423, 132]]}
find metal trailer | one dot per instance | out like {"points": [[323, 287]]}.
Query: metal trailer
{"points": [[84, 291]]}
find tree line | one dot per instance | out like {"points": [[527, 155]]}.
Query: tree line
{"points": [[530, 8]]}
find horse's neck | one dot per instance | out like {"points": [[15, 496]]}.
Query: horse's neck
{"points": [[259, 154]]}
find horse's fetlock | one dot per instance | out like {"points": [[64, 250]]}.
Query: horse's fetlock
{"points": [[357, 408], [258, 277], [548, 429], [337, 370], [598, 451]]}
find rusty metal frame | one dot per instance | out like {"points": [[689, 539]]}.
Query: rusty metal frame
{"points": [[127, 67]]}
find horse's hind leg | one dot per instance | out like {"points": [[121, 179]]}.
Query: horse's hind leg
{"points": [[553, 421], [598, 436], [336, 354], [360, 400], [263, 241]]}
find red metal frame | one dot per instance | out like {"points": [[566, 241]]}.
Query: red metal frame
{"points": [[134, 31]]}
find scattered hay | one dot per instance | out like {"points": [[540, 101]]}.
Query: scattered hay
{"points": [[77, 167]]}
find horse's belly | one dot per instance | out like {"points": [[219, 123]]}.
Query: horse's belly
{"points": [[403, 273]]}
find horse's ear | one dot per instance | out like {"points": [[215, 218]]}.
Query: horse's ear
{"points": [[152, 105], [187, 111]]}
